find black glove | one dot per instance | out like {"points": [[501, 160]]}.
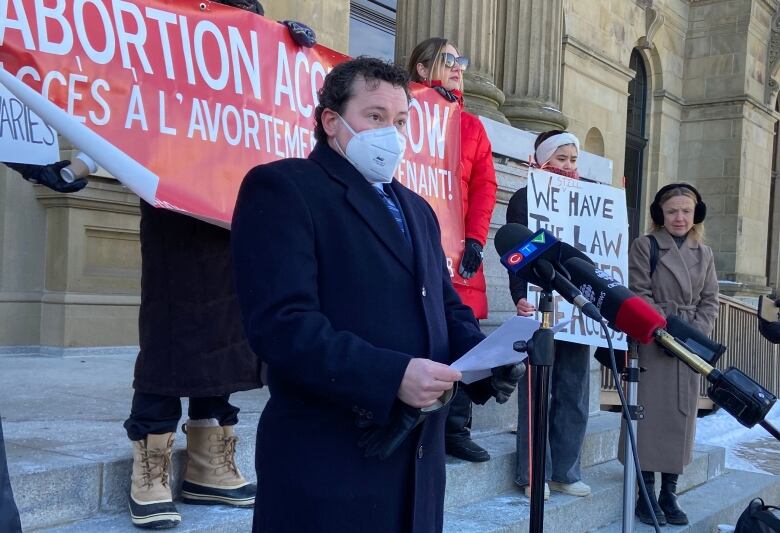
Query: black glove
{"points": [[48, 175], [472, 258], [445, 93], [301, 33], [382, 441], [505, 379]]}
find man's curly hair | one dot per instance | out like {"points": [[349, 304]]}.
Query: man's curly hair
{"points": [[337, 88]]}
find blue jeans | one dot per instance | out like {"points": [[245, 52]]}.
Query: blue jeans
{"points": [[567, 418], [9, 514]]}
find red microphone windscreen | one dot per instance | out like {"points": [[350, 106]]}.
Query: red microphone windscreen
{"points": [[638, 319]]}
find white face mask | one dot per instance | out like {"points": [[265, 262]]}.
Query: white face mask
{"points": [[375, 153]]}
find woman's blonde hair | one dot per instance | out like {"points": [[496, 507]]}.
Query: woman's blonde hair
{"points": [[429, 53], [697, 230]]}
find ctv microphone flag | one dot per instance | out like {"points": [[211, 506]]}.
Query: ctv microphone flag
{"points": [[525, 253]]}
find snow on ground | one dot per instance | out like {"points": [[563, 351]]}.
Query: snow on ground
{"points": [[721, 429]]}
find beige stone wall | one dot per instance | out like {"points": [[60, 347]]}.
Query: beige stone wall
{"points": [[329, 18], [607, 28], [727, 132], [70, 265], [22, 246], [598, 40], [594, 96], [600, 37]]}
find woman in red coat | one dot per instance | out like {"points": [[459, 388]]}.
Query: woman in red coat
{"points": [[436, 62]]}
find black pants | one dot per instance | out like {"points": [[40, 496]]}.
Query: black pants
{"points": [[9, 514], [155, 414], [458, 423]]}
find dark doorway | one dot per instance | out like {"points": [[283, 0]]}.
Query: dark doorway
{"points": [[636, 142]]}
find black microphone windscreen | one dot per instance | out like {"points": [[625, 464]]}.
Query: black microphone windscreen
{"points": [[509, 236]]}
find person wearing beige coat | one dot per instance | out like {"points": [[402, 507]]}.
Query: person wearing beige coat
{"points": [[684, 284]]}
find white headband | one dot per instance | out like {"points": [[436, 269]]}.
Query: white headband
{"points": [[551, 144]]}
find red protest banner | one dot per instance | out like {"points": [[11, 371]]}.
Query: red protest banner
{"points": [[197, 93]]}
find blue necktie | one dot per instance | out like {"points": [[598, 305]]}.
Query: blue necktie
{"points": [[390, 204]]}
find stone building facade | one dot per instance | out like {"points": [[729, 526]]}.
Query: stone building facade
{"points": [[668, 90]]}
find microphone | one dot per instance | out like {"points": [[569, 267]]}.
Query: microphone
{"points": [[733, 390], [624, 310], [539, 255], [532, 253], [738, 394]]}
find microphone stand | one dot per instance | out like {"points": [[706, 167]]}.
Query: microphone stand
{"points": [[636, 412], [541, 354]]}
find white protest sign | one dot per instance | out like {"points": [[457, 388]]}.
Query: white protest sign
{"points": [[593, 218], [24, 137]]}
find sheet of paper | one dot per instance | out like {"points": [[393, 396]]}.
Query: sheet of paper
{"points": [[497, 348]]}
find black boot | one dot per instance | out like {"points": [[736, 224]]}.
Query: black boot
{"points": [[457, 435], [668, 500], [644, 514]]}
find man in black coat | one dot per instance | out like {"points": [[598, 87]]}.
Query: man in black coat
{"points": [[345, 294]]}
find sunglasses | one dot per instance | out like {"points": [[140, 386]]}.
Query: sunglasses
{"points": [[450, 60]]}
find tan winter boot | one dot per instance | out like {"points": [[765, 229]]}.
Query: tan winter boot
{"points": [[151, 503], [211, 476]]}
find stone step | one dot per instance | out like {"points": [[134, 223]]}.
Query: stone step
{"points": [[719, 501], [512, 508], [64, 479], [60, 484], [195, 519], [510, 511], [468, 482]]}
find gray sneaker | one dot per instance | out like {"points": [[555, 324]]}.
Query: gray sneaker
{"points": [[578, 488]]}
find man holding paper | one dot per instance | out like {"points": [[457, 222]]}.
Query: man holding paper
{"points": [[355, 315]]}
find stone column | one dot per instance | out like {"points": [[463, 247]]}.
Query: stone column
{"points": [[529, 59], [471, 26]]}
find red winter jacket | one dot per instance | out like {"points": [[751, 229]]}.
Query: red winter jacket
{"points": [[478, 190]]}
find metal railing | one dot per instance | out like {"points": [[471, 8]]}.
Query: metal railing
{"points": [[737, 328]]}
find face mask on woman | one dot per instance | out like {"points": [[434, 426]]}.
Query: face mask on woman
{"points": [[375, 153]]}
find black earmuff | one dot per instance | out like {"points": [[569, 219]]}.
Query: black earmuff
{"points": [[657, 214]]}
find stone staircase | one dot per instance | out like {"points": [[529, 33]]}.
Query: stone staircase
{"points": [[80, 495], [710, 493], [69, 461]]}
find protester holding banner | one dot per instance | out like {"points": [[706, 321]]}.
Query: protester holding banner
{"points": [[192, 345], [436, 63], [555, 151], [357, 319], [673, 270]]}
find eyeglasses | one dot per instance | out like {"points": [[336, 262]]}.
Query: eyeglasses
{"points": [[450, 60]]}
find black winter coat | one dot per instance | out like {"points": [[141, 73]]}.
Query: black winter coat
{"points": [[191, 338], [337, 315]]}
